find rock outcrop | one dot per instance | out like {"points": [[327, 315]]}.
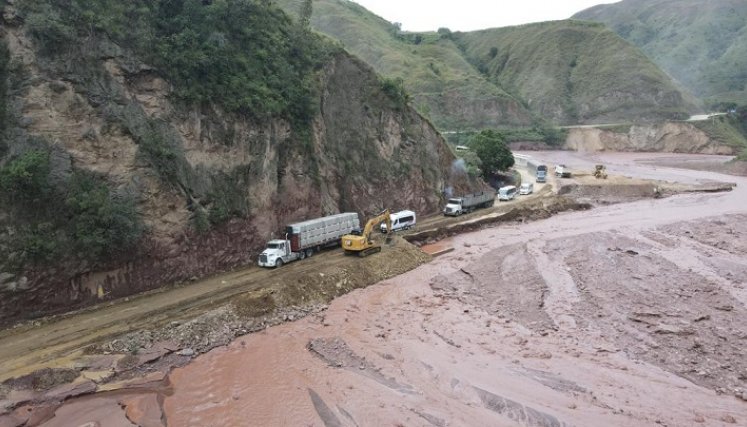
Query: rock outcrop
{"points": [[668, 137]]}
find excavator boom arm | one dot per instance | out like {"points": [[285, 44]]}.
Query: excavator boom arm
{"points": [[373, 222]]}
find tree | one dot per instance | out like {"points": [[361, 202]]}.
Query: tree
{"points": [[490, 147]]}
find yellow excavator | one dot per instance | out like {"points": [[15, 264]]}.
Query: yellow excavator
{"points": [[359, 242]]}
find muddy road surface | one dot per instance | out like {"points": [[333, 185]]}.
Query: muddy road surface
{"points": [[625, 315]]}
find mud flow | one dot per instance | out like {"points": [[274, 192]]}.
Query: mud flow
{"points": [[627, 314]]}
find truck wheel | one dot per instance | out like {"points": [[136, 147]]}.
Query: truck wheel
{"points": [[278, 263], [302, 255], [309, 252]]}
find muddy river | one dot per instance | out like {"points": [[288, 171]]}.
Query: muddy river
{"points": [[627, 315]]}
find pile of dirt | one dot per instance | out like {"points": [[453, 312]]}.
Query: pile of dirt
{"points": [[539, 208]]}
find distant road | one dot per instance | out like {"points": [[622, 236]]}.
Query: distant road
{"points": [[695, 118]]}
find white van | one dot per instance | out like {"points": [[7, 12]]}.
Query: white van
{"points": [[401, 220], [526, 188], [507, 193]]}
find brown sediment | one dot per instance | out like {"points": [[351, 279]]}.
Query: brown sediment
{"points": [[627, 314]]}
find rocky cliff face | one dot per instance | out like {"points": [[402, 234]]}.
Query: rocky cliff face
{"points": [[668, 137], [107, 113]]}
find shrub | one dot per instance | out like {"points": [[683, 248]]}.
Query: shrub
{"points": [[101, 223], [26, 178], [394, 89]]}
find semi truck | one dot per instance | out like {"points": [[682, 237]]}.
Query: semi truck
{"points": [[304, 238], [466, 204]]}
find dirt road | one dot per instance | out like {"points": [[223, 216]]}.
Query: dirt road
{"points": [[58, 341]]}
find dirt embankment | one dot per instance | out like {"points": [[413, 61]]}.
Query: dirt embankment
{"points": [[668, 137]]}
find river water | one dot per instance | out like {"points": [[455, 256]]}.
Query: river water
{"points": [[432, 348]]}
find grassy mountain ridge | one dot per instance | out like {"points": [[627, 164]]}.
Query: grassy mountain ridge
{"points": [[702, 44], [456, 78], [575, 72]]}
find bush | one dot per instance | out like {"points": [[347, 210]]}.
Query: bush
{"points": [[79, 217], [26, 179], [394, 89], [101, 223]]}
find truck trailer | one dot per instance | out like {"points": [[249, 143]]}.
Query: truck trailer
{"points": [[304, 238], [466, 204]]}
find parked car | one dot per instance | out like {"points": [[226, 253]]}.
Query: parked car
{"points": [[526, 188]]}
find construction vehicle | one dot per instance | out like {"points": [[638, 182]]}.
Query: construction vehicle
{"points": [[359, 242], [305, 238], [600, 172], [466, 204]]}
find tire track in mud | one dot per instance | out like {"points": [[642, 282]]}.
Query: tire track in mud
{"points": [[562, 290]]}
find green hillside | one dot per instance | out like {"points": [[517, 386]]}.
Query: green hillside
{"points": [[444, 86], [562, 72], [575, 72], [702, 44]]}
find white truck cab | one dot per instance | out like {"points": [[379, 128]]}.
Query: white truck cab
{"points": [[453, 207], [276, 250]]}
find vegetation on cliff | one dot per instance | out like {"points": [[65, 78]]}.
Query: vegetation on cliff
{"points": [[202, 48], [58, 216]]}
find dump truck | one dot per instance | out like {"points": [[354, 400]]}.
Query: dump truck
{"points": [[304, 238], [468, 203], [561, 171]]}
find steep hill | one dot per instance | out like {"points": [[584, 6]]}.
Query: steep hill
{"points": [[140, 146], [444, 86], [703, 44], [461, 81], [574, 72]]}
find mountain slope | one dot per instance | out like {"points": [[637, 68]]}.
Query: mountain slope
{"points": [[573, 72], [459, 81], [703, 44], [443, 84], [142, 147]]}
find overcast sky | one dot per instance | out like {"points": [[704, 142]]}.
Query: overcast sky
{"points": [[467, 15]]}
